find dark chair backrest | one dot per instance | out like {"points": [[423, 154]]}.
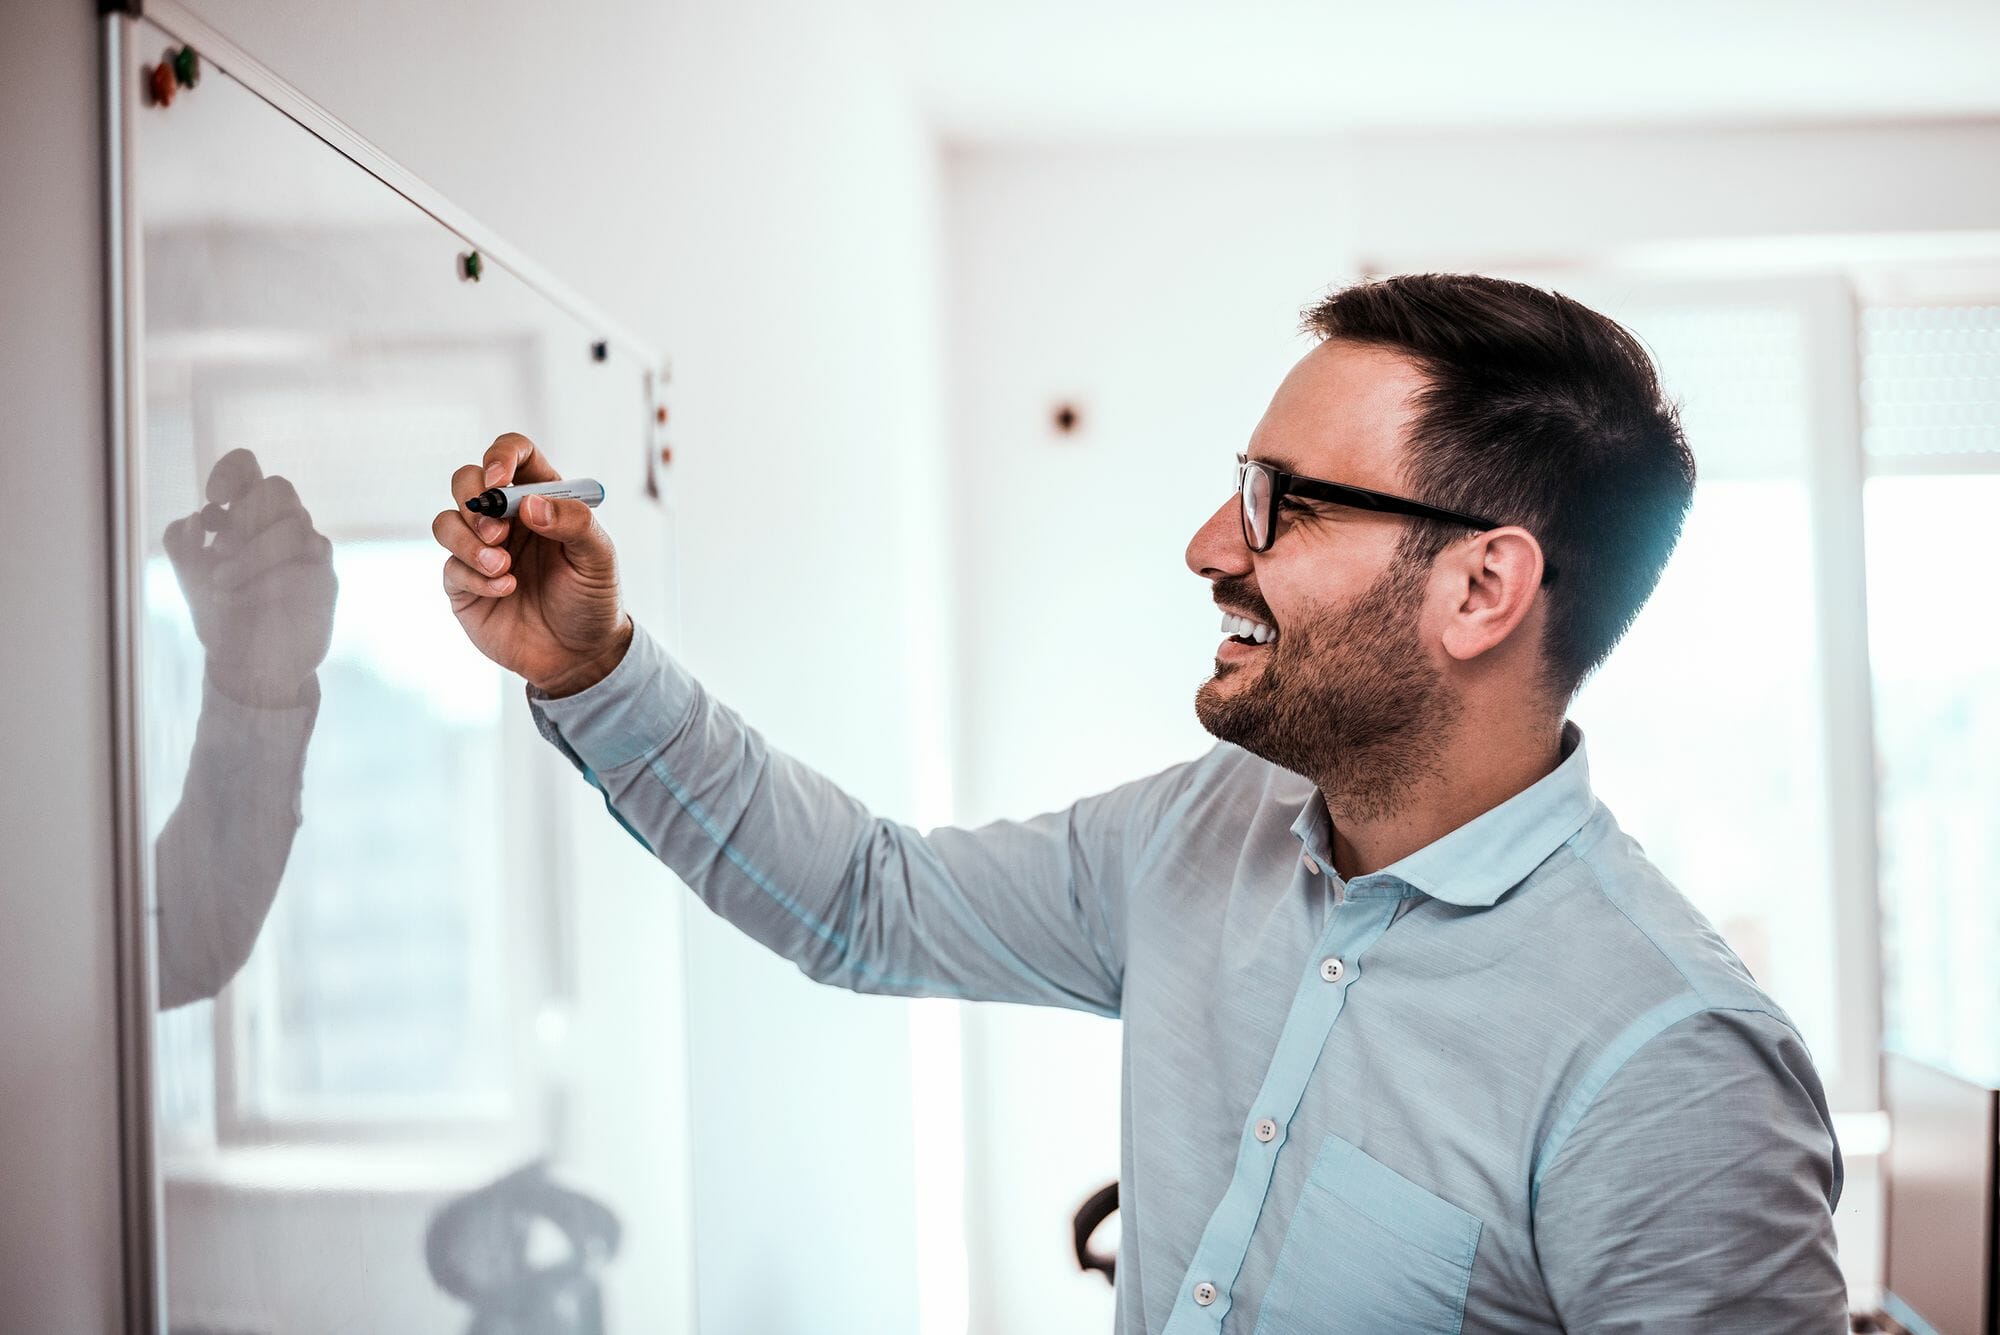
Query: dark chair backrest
{"points": [[1100, 1207]]}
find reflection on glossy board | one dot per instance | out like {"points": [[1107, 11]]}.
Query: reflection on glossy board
{"points": [[404, 969]]}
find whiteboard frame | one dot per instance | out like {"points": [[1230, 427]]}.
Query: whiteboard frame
{"points": [[141, 1193]]}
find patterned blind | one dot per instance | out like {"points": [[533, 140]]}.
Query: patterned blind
{"points": [[1930, 381]]}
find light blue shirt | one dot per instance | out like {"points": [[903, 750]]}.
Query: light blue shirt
{"points": [[1514, 1082]]}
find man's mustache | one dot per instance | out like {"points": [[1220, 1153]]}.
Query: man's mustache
{"points": [[1238, 594]]}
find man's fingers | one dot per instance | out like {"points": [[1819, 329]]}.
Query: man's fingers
{"points": [[513, 459], [183, 541], [466, 483], [452, 534], [289, 586], [234, 473], [284, 542], [461, 581], [270, 501]]}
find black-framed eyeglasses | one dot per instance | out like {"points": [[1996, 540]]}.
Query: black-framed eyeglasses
{"points": [[1260, 487]]}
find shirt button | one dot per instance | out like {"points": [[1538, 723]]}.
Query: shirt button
{"points": [[1311, 864], [1204, 1293], [1267, 1130], [1331, 968]]}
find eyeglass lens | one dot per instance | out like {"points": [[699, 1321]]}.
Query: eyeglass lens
{"points": [[1255, 486]]}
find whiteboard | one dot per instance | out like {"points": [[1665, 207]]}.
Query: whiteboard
{"points": [[408, 1047]]}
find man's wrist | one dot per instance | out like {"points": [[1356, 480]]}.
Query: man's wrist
{"points": [[594, 669], [253, 694]]}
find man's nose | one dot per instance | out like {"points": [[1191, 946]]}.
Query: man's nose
{"points": [[1217, 549]]}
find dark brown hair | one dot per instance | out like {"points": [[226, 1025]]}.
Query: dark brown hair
{"points": [[1540, 412]]}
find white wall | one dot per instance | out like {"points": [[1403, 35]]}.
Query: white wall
{"points": [[749, 190], [59, 1258], [1434, 199], [1158, 286]]}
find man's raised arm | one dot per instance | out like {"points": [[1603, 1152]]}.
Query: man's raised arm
{"points": [[1029, 911]]}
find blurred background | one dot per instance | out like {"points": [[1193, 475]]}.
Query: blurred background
{"points": [[969, 306]]}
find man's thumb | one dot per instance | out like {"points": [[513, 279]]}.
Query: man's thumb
{"points": [[571, 524]]}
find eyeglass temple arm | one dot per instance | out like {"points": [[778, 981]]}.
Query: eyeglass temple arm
{"points": [[1361, 498]]}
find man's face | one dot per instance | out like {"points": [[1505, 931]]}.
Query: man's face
{"points": [[1348, 693]]}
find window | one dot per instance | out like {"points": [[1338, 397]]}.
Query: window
{"points": [[1931, 395], [1729, 733], [1707, 726]]}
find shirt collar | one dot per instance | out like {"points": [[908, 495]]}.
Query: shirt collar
{"points": [[1490, 854]]}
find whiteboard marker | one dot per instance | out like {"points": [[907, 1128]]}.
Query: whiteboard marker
{"points": [[504, 502]]}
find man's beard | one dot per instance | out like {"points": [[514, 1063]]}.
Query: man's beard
{"points": [[1348, 701]]}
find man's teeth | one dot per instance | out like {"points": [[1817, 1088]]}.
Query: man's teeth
{"points": [[1248, 629]]}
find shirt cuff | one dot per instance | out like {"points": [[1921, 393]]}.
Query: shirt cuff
{"points": [[638, 707], [242, 726], [267, 744]]}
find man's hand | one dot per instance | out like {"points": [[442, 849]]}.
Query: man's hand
{"points": [[261, 595], [539, 594]]}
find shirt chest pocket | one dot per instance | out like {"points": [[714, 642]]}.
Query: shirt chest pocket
{"points": [[1368, 1249]]}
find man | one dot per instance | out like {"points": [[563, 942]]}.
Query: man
{"points": [[1415, 1038]]}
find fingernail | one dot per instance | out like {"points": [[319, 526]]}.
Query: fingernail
{"points": [[537, 509], [489, 561], [494, 472], [491, 530]]}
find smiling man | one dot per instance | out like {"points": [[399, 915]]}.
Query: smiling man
{"points": [[1415, 1037]]}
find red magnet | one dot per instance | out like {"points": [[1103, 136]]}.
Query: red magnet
{"points": [[164, 86]]}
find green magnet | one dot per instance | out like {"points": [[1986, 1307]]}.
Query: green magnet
{"points": [[187, 67], [470, 265]]}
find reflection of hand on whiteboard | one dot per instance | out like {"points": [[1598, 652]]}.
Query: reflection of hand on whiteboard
{"points": [[537, 594], [261, 598], [262, 593]]}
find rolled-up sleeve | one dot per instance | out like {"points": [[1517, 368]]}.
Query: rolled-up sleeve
{"points": [[1696, 1193], [1026, 911], [221, 854]]}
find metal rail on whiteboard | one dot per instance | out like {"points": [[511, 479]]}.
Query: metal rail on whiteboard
{"points": [[185, 26], [139, 1188]]}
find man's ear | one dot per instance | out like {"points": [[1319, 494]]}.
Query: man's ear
{"points": [[1492, 581]]}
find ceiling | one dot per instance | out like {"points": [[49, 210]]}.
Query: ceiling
{"points": [[1035, 69]]}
